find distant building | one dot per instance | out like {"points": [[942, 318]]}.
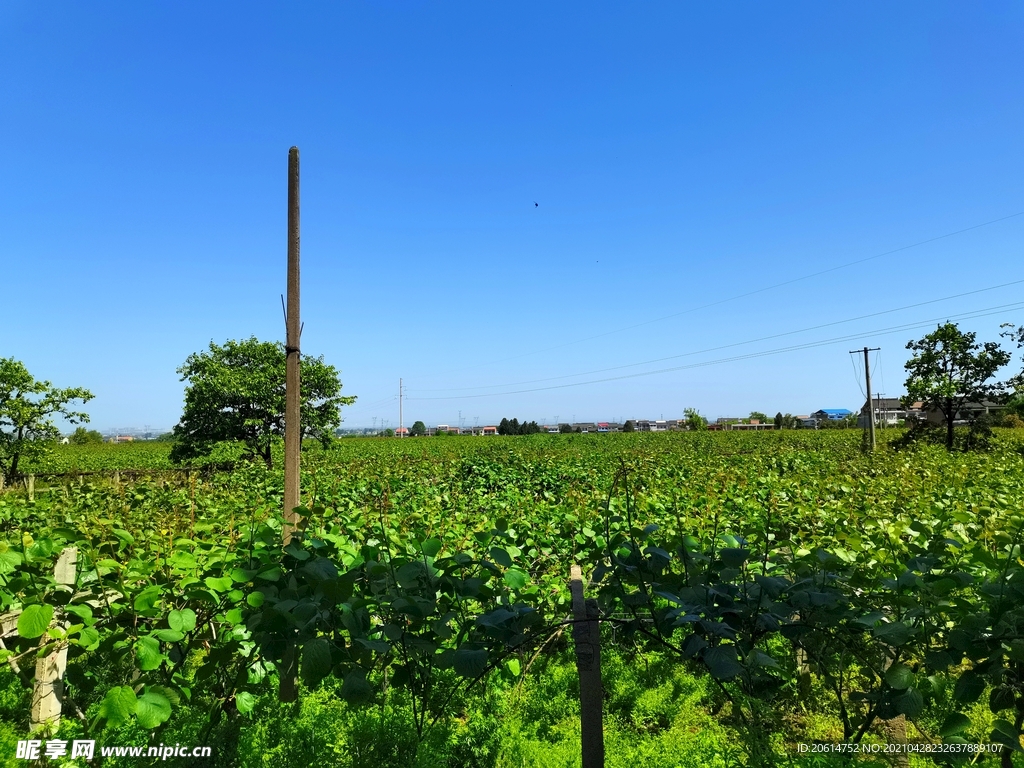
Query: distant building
{"points": [[402, 432], [889, 411], [967, 413], [489, 431], [832, 414], [753, 424]]}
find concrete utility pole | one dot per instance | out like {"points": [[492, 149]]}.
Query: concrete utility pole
{"points": [[401, 423], [288, 685], [867, 380], [292, 427]]}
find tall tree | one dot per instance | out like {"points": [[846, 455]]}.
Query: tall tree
{"points": [[83, 436], [629, 426], [418, 429], [949, 369], [237, 392], [27, 409], [694, 420], [779, 420], [1015, 405]]}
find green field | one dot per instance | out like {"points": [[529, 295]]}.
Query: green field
{"points": [[758, 591]]}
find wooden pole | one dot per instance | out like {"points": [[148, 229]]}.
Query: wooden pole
{"points": [[31, 485], [586, 634], [48, 692], [288, 687], [292, 427]]}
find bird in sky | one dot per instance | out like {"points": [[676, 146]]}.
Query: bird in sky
{"points": [[536, 204]]}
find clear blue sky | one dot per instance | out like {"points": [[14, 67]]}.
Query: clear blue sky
{"points": [[680, 154]]}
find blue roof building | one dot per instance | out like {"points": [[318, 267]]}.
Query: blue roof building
{"points": [[835, 414]]}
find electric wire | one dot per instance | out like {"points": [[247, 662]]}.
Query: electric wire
{"points": [[986, 312], [734, 344], [763, 290]]}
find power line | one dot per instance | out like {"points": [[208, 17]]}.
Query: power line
{"points": [[762, 290], [857, 376], [809, 345], [728, 346]]}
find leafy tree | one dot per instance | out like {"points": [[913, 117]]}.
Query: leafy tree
{"points": [[694, 420], [565, 428], [83, 436], [513, 427], [237, 392], [779, 419], [27, 407], [418, 429], [1015, 405], [950, 369], [389, 432], [761, 417], [789, 421], [629, 426]]}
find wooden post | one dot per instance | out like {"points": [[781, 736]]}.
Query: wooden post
{"points": [[1, 481], [586, 634], [288, 687], [894, 731], [30, 483], [48, 693], [292, 427]]}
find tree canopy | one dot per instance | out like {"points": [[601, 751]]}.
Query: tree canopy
{"points": [[83, 436], [694, 420], [418, 429], [237, 392], [950, 369], [27, 409], [513, 427]]}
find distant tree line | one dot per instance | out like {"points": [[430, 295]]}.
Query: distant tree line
{"points": [[513, 427]]}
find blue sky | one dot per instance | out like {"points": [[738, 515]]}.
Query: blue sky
{"points": [[680, 154]]}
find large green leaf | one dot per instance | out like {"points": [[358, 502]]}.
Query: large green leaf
{"points": [[355, 689], [501, 556], [910, 703], [515, 578], [35, 620], [118, 705], [954, 724], [899, 676], [182, 621], [722, 662], [152, 709], [147, 653], [470, 663], [316, 661], [244, 702], [969, 687]]}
